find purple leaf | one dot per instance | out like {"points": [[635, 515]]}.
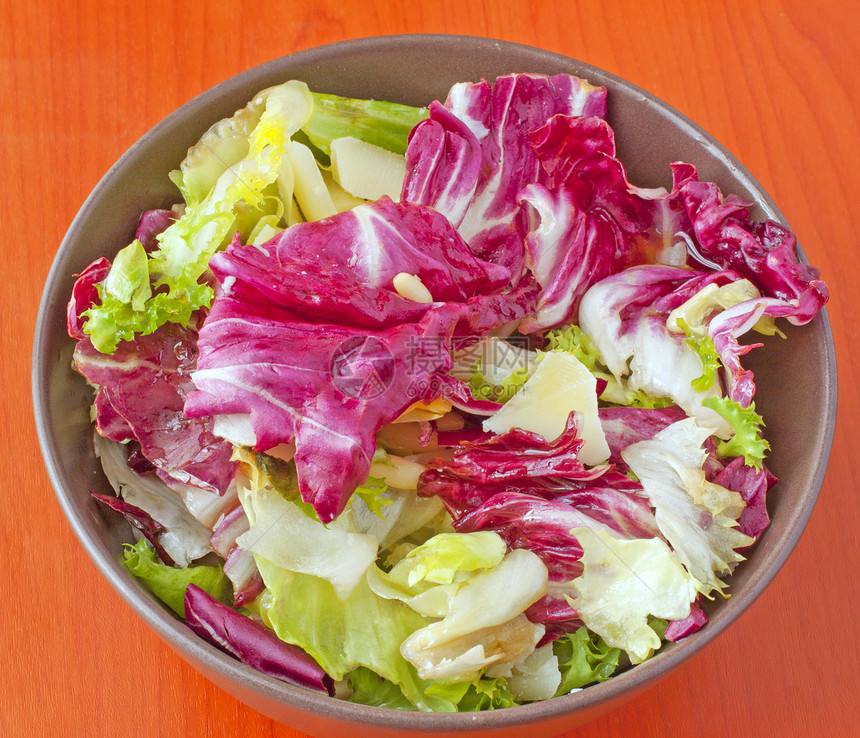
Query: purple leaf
{"points": [[140, 519], [85, 295], [624, 426], [752, 484], [152, 223], [761, 252], [678, 629], [326, 361], [241, 569], [519, 454], [252, 643], [591, 221], [486, 159], [142, 389]]}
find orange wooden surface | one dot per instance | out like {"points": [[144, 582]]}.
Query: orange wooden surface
{"points": [[778, 83]]}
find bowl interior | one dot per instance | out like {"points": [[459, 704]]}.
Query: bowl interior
{"points": [[416, 70]]}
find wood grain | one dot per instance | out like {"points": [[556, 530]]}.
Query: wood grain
{"points": [[778, 83]]}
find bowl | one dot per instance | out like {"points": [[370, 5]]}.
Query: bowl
{"points": [[415, 70]]}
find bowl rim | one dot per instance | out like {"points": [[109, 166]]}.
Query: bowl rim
{"points": [[194, 649]]}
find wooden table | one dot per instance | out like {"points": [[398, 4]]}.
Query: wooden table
{"points": [[778, 83]]}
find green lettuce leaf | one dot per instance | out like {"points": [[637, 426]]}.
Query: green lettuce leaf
{"points": [[376, 122], [281, 533], [707, 353], [372, 493], [361, 630], [242, 194], [747, 424], [128, 278], [168, 583], [482, 693], [368, 688], [441, 557], [584, 658], [502, 391], [573, 340]]}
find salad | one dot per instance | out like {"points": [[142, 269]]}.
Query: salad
{"points": [[431, 408]]}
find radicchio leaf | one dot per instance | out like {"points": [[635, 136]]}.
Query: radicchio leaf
{"points": [[140, 519], [763, 252], [84, 295], [145, 383], [486, 158], [325, 362], [591, 221], [252, 643]]}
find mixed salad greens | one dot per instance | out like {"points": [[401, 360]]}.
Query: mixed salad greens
{"points": [[431, 408]]}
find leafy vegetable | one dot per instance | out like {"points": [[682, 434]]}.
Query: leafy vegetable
{"points": [[182, 536], [371, 493], [747, 424], [186, 246], [476, 156], [440, 558], [128, 278], [592, 222], [252, 643], [559, 385], [344, 634], [144, 384], [764, 253], [707, 352], [573, 340], [697, 517], [169, 584], [376, 122], [274, 351], [371, 689], [584, 658], [625, 315], [504, 390], [281, 533], [482, 693], [474, 634], [625, 581], [502, 545]]}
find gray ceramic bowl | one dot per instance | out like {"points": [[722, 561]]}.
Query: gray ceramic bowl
{"points": [[416, 70]]}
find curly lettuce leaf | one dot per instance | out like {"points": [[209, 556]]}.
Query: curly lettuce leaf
{"points": [[584, 658], [372, 493], [707, 353], [503, 390], [697, 517], [168, 583], [747, 424], [576, 341], [482, 693], [241, 195]]}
